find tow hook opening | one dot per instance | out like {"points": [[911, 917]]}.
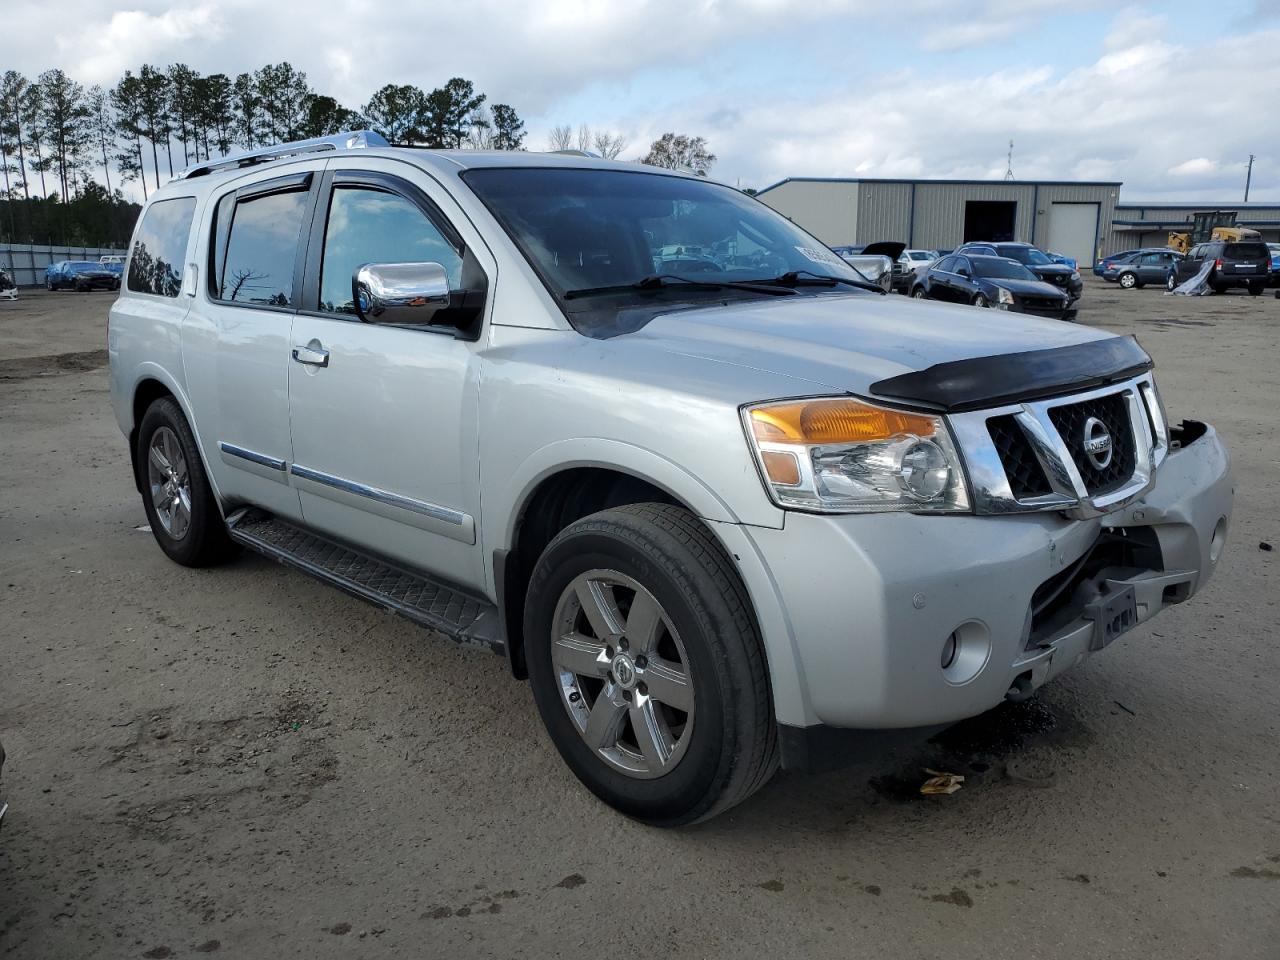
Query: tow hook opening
{"points": [[1021, 688]]}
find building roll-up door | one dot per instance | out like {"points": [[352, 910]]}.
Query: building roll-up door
{"points": [[1073, 231]]}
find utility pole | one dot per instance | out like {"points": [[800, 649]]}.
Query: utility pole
{"points": [[1008, 173], [1247, 178]]}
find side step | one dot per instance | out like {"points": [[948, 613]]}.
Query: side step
{"points": [[467, 619]]}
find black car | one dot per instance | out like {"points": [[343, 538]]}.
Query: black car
{"points": [[986, 281], [1061, 275], [1236, 263]]}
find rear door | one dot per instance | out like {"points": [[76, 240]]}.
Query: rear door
{"points": [[236, 339], [383, 417]]}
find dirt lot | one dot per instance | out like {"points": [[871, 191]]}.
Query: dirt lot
{"points": [[242, 762]]}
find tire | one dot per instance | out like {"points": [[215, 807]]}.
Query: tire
{"points": [[49, 284], [919, 294], [1171, 282], [1255, 289], [724, 746], [1128, 281], [195, 536], [980, 300]]}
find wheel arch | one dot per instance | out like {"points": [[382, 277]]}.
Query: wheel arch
{"points": [[564, 483], [153, 383]]}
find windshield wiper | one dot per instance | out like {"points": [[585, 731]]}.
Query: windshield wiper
{"points": [[664, 281], [807, 278]]}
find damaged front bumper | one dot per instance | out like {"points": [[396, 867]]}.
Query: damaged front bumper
{"points": [[905, 621]]}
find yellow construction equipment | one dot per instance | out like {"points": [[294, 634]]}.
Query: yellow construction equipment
{"points": [[1211, 225]]}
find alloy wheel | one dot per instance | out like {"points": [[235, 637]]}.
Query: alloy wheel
{"points": [[169, 482], [623, 673]]}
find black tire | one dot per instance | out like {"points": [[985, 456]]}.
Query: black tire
{"points": [[733, 750], [919, 293], [1171, 282], [205, 542], [980, 300], [1128, 281], [1255, 289], [49, 284]]}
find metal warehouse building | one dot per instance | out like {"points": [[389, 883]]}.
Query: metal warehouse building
{"points": [[1072, 218], [1149, 224]]}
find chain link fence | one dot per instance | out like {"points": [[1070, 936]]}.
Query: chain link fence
{"points": [[25, 263]]}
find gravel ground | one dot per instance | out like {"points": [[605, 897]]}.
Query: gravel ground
{"points": [[243, 762]]}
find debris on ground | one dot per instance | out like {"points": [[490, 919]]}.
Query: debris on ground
{"points": [[941, 783], [1264, 545]]}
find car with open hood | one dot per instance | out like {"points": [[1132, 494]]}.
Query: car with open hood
{"points": [[720, 522]]}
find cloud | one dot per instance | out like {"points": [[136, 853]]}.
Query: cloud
{"points": [[1194, 168], [131, 37]]}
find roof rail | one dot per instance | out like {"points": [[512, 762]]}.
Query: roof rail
{"points": [[339, 141], [578, 153]]}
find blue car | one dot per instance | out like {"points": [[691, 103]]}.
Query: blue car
{"points": [[1274, 248], [83, 275]]}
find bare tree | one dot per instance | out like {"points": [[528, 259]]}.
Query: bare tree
{"points": [[608, 145], [560, 138]]}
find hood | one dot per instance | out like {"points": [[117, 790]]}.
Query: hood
{"points": [[885, 248], [1050, 269], [846, 342], [1024, 288]]}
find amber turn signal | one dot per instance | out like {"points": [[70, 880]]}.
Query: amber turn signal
{"points": [[836, 420]]}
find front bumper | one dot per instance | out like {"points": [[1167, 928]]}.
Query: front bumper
{"points": [[871, 600]]}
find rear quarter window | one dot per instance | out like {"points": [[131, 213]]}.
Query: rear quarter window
{"points": [[155, 263]]}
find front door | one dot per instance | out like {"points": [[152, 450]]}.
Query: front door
{"points": [[383, 418]]}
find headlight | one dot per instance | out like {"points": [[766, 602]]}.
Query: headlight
{"points": [[841, 455], [1004, 297]]}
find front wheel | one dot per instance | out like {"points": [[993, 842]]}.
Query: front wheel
{"points": [[176, 494], [647, 667], [980, 300], [49, 284], [1171, 282], [918, 294]]}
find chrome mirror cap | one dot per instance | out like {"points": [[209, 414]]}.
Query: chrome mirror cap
{"points": [[400, 292]]}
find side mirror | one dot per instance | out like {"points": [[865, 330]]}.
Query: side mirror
{"points": [[400, 292]]}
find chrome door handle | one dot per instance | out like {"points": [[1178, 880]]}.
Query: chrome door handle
{"points": [[312, 354]]}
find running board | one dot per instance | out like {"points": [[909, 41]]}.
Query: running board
{"points": [[465, 618]]}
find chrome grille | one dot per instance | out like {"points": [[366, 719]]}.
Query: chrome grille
{"points": [[1113, 413]]}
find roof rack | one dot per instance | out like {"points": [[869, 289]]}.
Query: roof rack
{"points": [[578, 153], [349, 140]]}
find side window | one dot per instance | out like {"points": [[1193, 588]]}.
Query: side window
{"points": [[946, 264], [257, 266], [961, 264], [155, 265], [1153, 259], [368, 225]]}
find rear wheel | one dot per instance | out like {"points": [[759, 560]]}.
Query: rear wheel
{"points": [[1255, 289], [647, 667], [49, 284], [180, 505], [919, 294], [980, 300], [1128, 280]]}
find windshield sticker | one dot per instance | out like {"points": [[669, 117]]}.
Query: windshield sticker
{"points": [[818, 255]]}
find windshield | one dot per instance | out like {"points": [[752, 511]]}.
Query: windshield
{"points": [[1001, 269], [588, 229], [1024, 255]]}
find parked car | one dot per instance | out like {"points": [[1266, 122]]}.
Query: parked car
{"points": [[1036, 260], [872, 262], [113, 262], [991, 282], [910, 266], [1100, 267], [82, 275], [1236, 263], [1274, 249], [720, 523], [1142, 267]]}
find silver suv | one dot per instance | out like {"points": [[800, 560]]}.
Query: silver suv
{"points": [[722, 520]]}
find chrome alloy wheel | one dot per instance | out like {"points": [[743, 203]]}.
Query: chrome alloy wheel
{"points": [[623, 672], [169, 482]]}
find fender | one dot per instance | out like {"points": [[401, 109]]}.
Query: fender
{"points": [[149, 370], [502, 514]]}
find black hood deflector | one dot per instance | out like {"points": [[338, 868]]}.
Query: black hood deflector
{"points": [[1013, 377]]}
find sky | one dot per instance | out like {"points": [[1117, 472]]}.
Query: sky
{"points": [[1169, 97]]}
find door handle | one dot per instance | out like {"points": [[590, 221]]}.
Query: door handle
{"points": [[312, 354]]}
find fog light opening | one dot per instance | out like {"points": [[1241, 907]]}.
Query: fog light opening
{"points": [[949, 651], [1218, 540], [965, 652]]}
